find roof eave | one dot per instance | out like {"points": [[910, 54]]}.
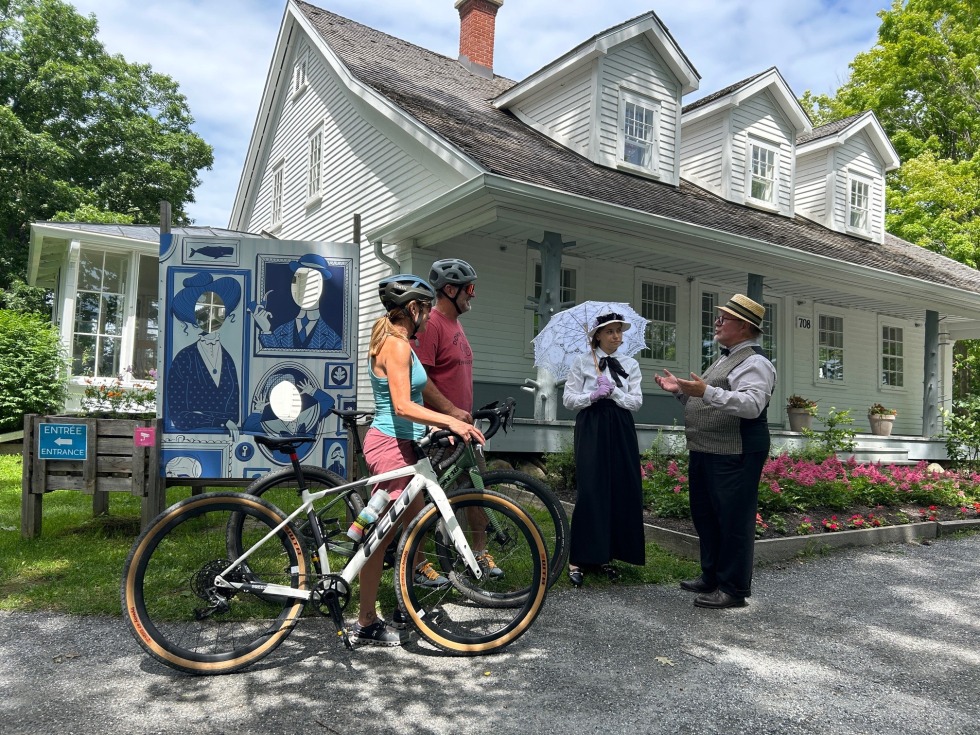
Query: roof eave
{"points": [[484, 195]]}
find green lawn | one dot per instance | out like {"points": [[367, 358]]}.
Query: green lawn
{"points": [[74, 566]]}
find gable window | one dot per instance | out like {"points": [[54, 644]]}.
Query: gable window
{"points": [[763, 167], [314, 157], [639, 122], [277, 195], [892, 356], [567, 292], [300, 69], [830, 348], [658, 303], [858, 204]]}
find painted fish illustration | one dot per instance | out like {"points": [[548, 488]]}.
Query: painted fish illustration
{"points": [[214, 251]]}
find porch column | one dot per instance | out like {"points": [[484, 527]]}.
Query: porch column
{"points": [[753, 289], [544, 387], [930, 376]]}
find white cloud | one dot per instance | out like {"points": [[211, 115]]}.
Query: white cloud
{"points": [[219, 50]]}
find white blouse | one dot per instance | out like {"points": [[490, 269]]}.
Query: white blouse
{"points": [[582, 380]]}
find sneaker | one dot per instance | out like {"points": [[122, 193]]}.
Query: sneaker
{"points": [[484, 559], [427, 576], [376, 634], [399, 619]]}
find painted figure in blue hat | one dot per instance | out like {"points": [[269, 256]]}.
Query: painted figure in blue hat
{"points": [[307, 330]]}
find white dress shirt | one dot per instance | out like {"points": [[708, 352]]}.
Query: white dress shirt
{"points": [[752, 384], [583, 380]]}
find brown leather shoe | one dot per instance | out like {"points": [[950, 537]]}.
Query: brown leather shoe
{"points": [[718, 600], [697, 585]]}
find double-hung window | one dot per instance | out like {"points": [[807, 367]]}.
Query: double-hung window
{"points": [[639, 123], [567, 292], [277, 195], [858, 204], [763, 169], [892, 356], [709, 311], [658, 303], [100, 305], [314, 163], [830, 348]]}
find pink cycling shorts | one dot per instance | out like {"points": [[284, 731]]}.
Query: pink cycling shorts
{"points": [[383, 453]]}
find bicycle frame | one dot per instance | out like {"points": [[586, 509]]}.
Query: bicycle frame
{"points": [[423, 479]]}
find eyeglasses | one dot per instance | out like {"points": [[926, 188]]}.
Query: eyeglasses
{"points": [[719, 320]]}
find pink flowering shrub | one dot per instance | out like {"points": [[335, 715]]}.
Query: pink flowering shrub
{"points": [[792, 484]]}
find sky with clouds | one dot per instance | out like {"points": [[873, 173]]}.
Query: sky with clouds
{"points": [[219, 50]]}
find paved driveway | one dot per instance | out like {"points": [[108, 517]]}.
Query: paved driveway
{"points": [[883, 641]]}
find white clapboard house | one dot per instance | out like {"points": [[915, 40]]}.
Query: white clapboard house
{"points": [[591, 179]]}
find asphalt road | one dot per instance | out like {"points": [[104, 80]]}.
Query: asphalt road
{"points": [[881, 641]]}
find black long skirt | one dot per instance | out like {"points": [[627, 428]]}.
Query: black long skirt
{"points": [[607, 522]]}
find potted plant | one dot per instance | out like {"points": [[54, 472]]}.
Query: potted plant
{"points": [[881, 419], [801, 412]]}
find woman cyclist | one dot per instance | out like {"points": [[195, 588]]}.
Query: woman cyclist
{"points": [[397, 380]]}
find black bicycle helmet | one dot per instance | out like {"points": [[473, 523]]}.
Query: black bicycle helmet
{"points": [[451, 271], [403, 289]]}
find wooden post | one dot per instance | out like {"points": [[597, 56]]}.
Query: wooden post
{"points": [[165, 217], [155, 492], [30, 502]]}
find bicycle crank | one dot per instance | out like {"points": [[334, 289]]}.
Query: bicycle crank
{"points": [[330, 598]]}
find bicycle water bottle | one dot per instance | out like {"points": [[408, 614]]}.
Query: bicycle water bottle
{"points": [[368, 515]]}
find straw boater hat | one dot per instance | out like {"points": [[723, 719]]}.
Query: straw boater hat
{"points": [[742, 307], [604, 320]]}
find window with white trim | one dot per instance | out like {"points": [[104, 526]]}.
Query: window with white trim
{"points": [[769, 341], [314, 158], [639, 131], [100, 309], [277, 194], [568, 291], [892, 356], [300, 69], [709, 311], [858, 204], [830, 348], [763, 170], [658, 303]]}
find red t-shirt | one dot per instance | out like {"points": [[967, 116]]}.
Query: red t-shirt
{"points": [[445, 353]]}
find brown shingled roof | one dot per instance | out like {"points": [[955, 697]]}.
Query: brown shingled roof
{"points": [[457, 105]]}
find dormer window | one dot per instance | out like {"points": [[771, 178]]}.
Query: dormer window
{"points": [[639, 122], [858, 203], [763, 172]]}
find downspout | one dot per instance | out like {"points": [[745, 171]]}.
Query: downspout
{"points": [[378, 252]]}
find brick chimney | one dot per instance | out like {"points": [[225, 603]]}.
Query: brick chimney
{"points": [[477, 19]]}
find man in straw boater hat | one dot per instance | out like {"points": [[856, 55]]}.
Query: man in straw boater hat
{"points": [[728, 441]]}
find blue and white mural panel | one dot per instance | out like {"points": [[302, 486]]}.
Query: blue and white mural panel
{"points": [[248, 324]]}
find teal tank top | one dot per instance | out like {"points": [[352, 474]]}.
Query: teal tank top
{"points": [[385, 419]]}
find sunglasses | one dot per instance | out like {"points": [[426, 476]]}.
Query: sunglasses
{"points": [[470, 289]]}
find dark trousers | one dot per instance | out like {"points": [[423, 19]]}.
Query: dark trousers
{"points": [[724, 502]]}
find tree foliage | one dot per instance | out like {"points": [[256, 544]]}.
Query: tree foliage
{"points": [[80, 128], [33, 369]]}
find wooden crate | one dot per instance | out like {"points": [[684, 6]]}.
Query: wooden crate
{"points": [[114, 464]]}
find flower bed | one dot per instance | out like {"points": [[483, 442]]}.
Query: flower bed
{"points": [[799, 496]]}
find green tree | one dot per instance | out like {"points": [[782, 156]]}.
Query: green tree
{"points": [[81, 129], [33, 369]]}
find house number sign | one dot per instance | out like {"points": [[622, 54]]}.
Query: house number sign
{"points": [[802, 322]]}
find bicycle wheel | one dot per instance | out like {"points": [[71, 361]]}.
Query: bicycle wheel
{"points": [[540, 502], [173, 606], [281, 489], [456, 622]]}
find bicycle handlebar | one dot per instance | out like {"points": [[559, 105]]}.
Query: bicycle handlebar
{"points": [[441, 438], [499, 414]]}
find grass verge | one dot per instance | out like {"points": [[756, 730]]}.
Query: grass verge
{"points": [[75, 565]]}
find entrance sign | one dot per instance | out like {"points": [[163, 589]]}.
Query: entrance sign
{"points": [[62, 441]]}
